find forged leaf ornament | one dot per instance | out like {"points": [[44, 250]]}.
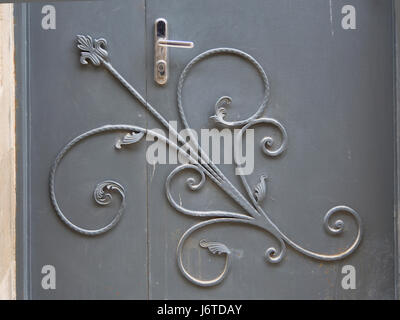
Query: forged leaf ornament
{"points": [[214, 247], [129, 138], [220, 110], [260, 189]]}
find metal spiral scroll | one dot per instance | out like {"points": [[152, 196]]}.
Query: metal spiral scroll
{"points": [[95, 51], [102, 192]]}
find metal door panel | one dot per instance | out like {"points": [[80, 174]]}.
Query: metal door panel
{"points": [[332, 89], [67, 99]]}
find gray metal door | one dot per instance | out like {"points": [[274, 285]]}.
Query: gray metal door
{"points": [[318, 206]]}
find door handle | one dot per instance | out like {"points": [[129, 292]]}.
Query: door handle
{"points": [[161, 45]]}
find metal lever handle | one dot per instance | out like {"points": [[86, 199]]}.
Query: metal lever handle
{"points": [[176, 44], [161, 45]]}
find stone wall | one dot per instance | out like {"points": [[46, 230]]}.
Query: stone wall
{"points": [[7, 153]]}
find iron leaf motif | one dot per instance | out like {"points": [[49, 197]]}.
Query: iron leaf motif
{"points": [[214, 247], [129, 138], [260, 190], [220, 110]]}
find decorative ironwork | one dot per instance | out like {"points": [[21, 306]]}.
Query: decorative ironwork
{"points": [[95, 51]]}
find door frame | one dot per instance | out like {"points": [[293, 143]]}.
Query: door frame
{"points": [[21, 16], [396, 83]]}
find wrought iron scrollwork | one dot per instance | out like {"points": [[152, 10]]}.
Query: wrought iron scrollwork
{"points": [[95, 51]]}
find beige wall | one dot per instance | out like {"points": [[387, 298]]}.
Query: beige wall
{"points": [[7, 153]]}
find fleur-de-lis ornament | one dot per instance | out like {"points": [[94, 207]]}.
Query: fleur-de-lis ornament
{"points": [[94, 50]]}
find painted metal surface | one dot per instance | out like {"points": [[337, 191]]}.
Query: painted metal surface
{"points": [[62, 101], [326, 94], [95, 51], [328, 109]]}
